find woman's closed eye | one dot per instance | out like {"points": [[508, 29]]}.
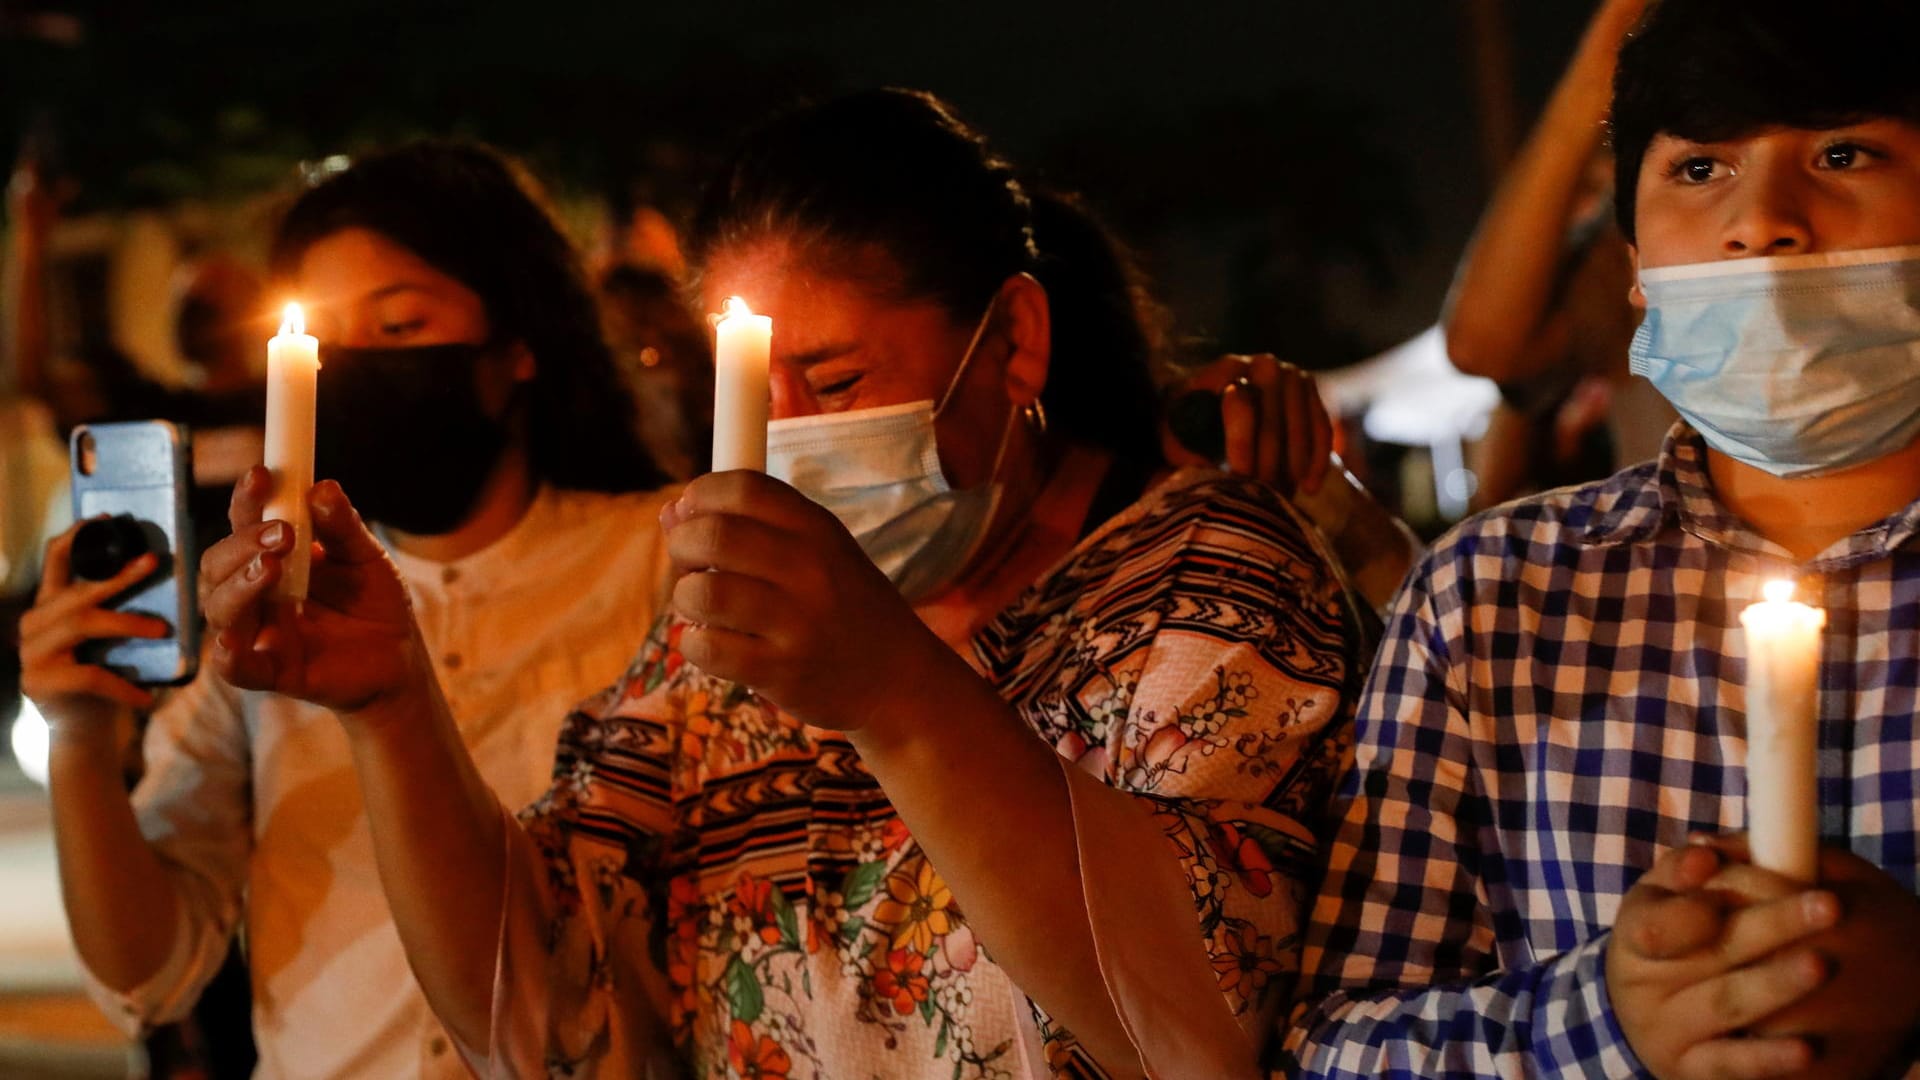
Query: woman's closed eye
{"points": [[834, 384], [401, 329]]}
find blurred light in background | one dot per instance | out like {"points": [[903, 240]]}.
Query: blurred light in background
{"points": [[29, 739]]}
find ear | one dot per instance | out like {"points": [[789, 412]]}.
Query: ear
{"points": [[1026, 321], [523, 365], [1636, 295]]}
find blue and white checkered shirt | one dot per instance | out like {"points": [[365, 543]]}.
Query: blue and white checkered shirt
{"points": [[1558, 701]]}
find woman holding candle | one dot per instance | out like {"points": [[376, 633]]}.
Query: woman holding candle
{"points": [[1048, 818], [467, 399]]}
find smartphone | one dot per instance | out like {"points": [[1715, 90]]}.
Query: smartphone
{"points": [[130, 491]]}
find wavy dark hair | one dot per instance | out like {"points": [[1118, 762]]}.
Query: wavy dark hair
{"points": [[478, 218], [1722, 69], [897, 171]]}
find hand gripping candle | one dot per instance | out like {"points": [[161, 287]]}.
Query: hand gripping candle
{"points": [[1783, 728], [293, 367], [742, 343]]}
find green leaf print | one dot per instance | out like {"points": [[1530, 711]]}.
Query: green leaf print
{"points": [[926, 1010], [784, 917], [1276, 845], [940, 1041], [851, 932], [862, 882], [743, 992]]}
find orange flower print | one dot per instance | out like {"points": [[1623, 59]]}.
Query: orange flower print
{"points": [[829, 918], [1244, 858], [683, 977], [1242, 969], [894, 834], [698, 710], [902, 981], [685, 907], [755, 1057], [674, 660], [915, 907], [753, 902]]}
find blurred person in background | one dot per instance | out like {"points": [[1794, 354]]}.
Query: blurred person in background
{"points": [[664, 352], [222, 315], [33, 456], [220, 326], [1540, 304]]}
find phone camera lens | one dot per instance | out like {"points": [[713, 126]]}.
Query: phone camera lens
{"points": [[103, 546]]}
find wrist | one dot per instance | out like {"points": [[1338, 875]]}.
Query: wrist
{"points": [[413, 696], [384, 713], [85, 747], [896, 718]]}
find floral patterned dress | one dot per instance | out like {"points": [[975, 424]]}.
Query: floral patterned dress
{"points": [[713, 888]]}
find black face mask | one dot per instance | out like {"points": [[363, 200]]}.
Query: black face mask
{"points": [[403, 432]]}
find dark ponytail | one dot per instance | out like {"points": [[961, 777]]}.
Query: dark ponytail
{"points": [[1106, 333], [896, 171]]}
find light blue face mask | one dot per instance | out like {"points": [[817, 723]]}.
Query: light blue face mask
{"points": [[878, 471], [1797, 364]]}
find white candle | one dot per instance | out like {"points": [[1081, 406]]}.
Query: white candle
{"points": [[1783, 727], [742, 343], [293, 367]]}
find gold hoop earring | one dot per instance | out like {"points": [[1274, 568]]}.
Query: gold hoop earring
{"points": [[1036, 416]]}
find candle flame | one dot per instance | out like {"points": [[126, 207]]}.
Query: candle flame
{"points": [[293, 320], [736, 307], [1777, 592]]}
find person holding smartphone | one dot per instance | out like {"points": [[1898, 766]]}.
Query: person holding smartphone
{"points": [[469, 401]]}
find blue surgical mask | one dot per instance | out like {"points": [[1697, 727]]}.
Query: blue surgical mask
{"points": [[1799, 364], [878, 471]]}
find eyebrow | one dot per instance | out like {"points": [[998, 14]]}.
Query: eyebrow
{"points": [[821, 355], [397, 287]]}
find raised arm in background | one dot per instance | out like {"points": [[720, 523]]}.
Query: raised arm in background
{"points": [[1500, 319]]}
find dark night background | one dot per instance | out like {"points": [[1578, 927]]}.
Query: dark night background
{"points": [[1301, 176]]}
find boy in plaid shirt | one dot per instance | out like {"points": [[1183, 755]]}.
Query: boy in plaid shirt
{"points": [[1537, 870]]}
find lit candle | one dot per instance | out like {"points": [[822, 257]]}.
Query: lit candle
{"points": [[1783, 670], [741, 347], [293, 367]]}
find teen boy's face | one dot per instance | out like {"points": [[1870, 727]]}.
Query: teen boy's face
{"points": [[1783, 191]]}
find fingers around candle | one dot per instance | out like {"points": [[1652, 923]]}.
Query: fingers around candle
{"points": [[235, 604], [337, 526], [226, 559], [748, 494], [733, 543], [250, 498], [1675, 926]]}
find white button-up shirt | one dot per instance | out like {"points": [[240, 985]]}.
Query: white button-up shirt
{"points": [[252, 800]]}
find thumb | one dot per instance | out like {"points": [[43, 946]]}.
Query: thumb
{"points": [[338, 527]]}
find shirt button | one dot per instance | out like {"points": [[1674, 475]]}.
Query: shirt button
{"points": [[437, 1046], [451, 661], [449, 575]]}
